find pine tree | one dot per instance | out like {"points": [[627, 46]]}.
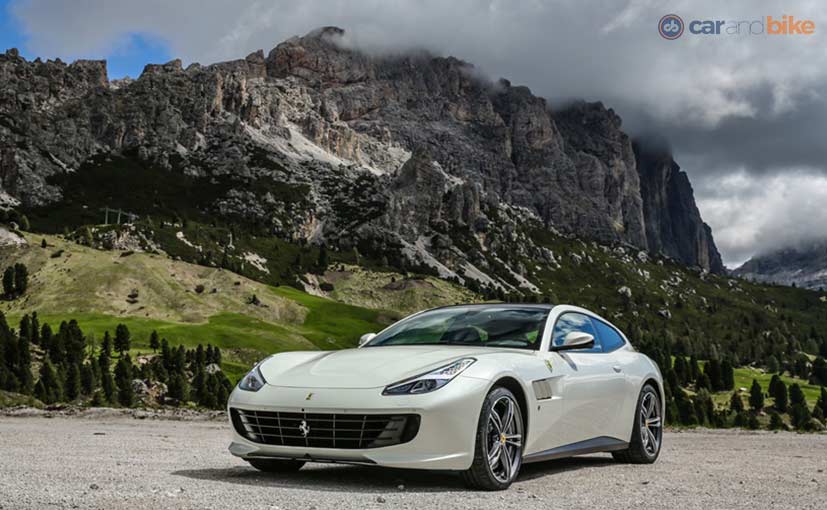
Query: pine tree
{"points": [[87, 379], [756, 396], [800, 415], [694, 369], [166, 355], [46, 337], [24, 330], [107, 383], [122, 338], [736, 403], [21, 279], [772, 364], [24, 367], [35, 328], [776, 423], [8, 281], [712, 370], [322, 262], [818, 414], [123, 379], [727, 375], [154, 341], [198, 393], [57, 348], [774, 380], [681, 371], [74, 341], [180, 359], [48, 388], [796, 395], [703, 382], [822, 401], [72, 388], [106, 345], [819, 373], [177, 387], [11, 356], [200, 356], [779, 394]]}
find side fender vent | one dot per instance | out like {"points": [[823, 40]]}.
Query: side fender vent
{"points": [[542, 389]]}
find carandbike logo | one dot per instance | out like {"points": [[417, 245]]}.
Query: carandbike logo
{"points": [[672, 26]]}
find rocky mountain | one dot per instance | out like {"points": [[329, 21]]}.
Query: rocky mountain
{"points": [[673, 222], [804, 266], [408, 157]]}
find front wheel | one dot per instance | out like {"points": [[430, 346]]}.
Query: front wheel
{"points": [[498, 449], [647, 432], [276, 465]]}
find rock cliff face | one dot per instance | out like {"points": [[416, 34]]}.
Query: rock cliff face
{"points": [[803, 266], [324, 143], [673, 223]]}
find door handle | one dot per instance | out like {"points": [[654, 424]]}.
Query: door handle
{"points": [[617, 368]]}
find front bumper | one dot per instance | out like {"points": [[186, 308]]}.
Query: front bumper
{"points": [[445, 439]]}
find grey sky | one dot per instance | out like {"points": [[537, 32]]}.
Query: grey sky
{"points": [[745, 115]]}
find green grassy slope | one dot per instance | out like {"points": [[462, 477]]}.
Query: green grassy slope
{"points": [[70, 281], [385, 289]]}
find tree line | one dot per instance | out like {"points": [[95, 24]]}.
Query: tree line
{"points": [[73, 369], [689, 385]]}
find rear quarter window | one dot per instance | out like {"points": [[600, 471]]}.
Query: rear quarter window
{"points": [[610, 338]]}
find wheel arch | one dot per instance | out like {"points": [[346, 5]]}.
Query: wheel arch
{"points": [[513, 385], [656, 383]]}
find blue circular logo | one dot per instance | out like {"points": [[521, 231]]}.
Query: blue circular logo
{"points": [[670, 27]]}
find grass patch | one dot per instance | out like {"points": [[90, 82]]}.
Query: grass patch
{"points": [[11, 399]]}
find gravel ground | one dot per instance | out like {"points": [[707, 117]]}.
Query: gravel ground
{"points": [[117, 462]]}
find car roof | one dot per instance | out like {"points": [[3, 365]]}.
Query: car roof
{"points": [[543, 306]]}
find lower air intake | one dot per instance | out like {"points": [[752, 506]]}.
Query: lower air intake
{"points": [[316, 430]]}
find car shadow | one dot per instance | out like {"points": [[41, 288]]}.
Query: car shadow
{"points": [[369, 479]]}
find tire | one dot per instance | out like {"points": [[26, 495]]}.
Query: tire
{"points": [[276, 465], [495, 433], [649, 421]]}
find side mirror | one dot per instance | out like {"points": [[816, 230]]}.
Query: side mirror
{"points": [[575, 340], [367, 337]]}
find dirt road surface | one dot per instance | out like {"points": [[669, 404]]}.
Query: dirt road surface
{"points": [[120, 463]]}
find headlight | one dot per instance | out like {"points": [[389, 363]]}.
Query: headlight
{"points": [[253, 381], [431, 381]]}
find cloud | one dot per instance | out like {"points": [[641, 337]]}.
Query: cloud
{"points": [[746, 108], [756, 215]]}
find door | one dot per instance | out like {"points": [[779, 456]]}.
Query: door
{"points": [[592, 387]]}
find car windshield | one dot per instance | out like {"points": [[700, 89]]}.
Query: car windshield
{"points": [[483, 326]]}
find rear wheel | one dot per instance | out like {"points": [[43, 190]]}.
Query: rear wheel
{"points": [[276, 465], [498, 449], [647, 432]]}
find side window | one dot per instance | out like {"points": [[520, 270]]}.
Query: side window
{"points": [[610, 339], [573, 321]]}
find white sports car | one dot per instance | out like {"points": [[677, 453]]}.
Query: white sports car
{"points": [[478, 389]]}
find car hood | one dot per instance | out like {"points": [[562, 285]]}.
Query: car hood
{"points": [[368, 367]]}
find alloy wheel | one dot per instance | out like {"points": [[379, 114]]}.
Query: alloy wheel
{"points": [[505, 439], [650, 423]]}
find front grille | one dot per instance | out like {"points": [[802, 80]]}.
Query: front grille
{"points": [[316, 430]]}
